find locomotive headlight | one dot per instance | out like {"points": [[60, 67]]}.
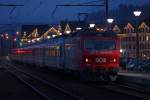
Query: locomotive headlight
{"points": [[115, 60], [86, 60]]}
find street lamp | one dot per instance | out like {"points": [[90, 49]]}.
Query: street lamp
{"points": [[137, 13], [92, 25], [121, 50], [110, 21]]}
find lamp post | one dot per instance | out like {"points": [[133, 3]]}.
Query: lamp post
{"points": [[14, 42], [137, 13], [16, 39], [110, 21], [2, 40], [6, 43]]}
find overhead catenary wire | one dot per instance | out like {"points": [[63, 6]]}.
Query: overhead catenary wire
{"points": [[11, 12], [38, 6], [77, 4], [89, 2], [10, 5]]}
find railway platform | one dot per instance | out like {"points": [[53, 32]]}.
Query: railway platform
{"points": [[135, 77]]}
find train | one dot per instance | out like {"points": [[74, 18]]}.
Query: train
{"points": [[92, 54]]}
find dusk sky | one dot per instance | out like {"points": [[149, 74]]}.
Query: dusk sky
{"points": [[39, 11]]}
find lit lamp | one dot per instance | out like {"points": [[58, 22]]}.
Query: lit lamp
{"points": [[92, 25], [48, 37], [53, 35], [137, 13], [7, 37], [29, 41], [38, 39], [68, 32], [6, 34], [60, 33], [2, 35], [17, 33], [110, 21], [78, 28], [15, 39], [33, 41], [121, 50]]}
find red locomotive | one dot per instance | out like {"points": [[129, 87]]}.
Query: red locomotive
{"points": [[93, 54]]}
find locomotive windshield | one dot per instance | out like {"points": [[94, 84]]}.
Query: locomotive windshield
{"points": [[99, 45]]}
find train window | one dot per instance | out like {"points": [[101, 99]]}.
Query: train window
{"points": [[53, 51], [38, 52], [46, 51], [99, 44], [68, 46]]}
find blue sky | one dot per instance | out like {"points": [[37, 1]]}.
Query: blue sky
{"points": [[39, 11]]}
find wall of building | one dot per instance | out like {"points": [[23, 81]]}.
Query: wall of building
{"points": [[128, 40]]}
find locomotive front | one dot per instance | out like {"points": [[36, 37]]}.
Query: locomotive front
{"points": [[101, 57]]}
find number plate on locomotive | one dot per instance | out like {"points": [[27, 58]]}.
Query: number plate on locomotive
{"points": [[100, 60]]}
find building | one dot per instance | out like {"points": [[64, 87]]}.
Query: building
{"points": [[28, 29], [128, 41], [32, 31]]}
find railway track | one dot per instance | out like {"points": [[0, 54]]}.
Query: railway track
{"points": [[113, 88], [134, 87], [45, 89], [137, 92]]}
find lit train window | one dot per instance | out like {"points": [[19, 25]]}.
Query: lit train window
{"points": [[53, 51], [68, 46]]}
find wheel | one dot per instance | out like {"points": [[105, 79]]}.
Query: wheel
{"points": [[85, 75], [38, 66], [112, 78]]}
